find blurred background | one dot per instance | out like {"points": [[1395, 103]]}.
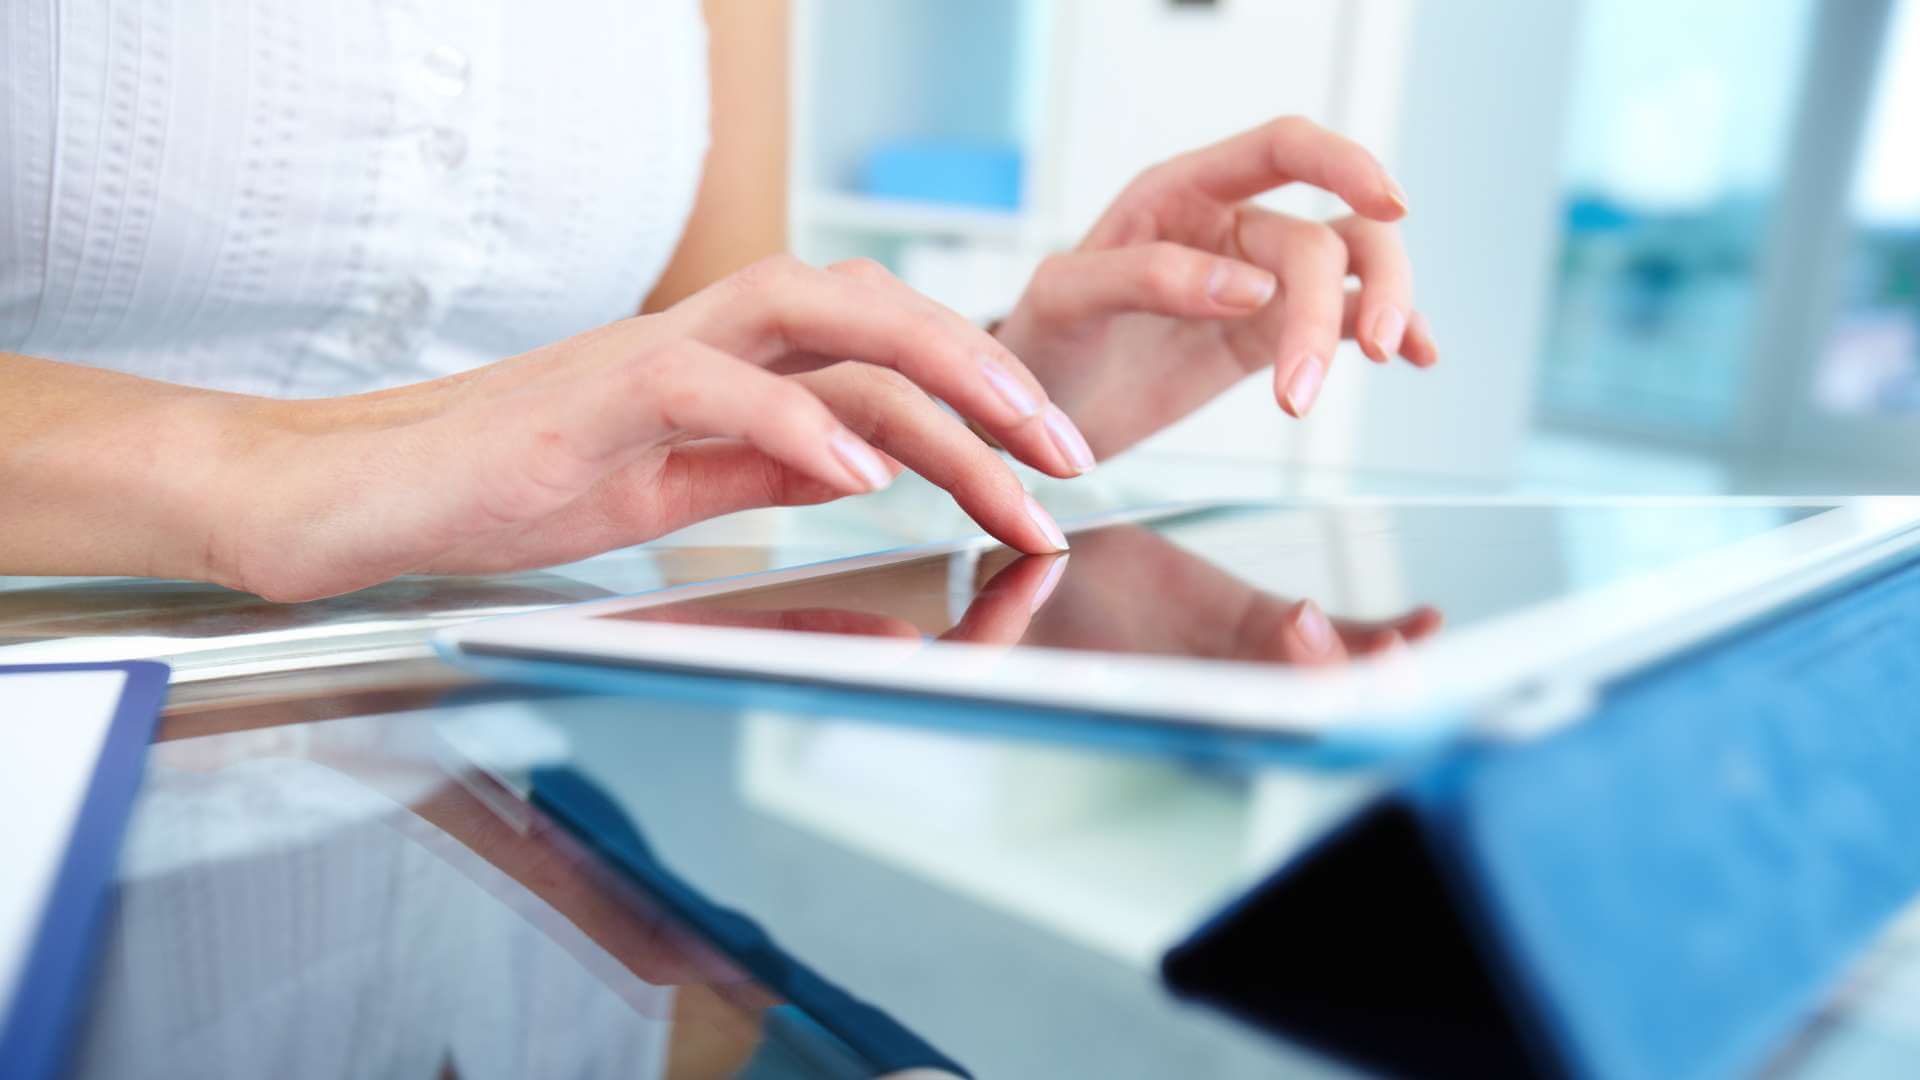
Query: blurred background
{"points": [[1666, 247]]}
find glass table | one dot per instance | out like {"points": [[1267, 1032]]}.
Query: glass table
{"points": [[342, 862]]}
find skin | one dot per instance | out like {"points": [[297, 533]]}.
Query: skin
{"points": [[1123, 589], [747, 380], [1183, 287]]}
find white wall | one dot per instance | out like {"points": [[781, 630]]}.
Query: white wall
{"points": [[1485, 97]]}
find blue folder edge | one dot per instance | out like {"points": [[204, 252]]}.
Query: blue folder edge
{"points": [[37, 1035]]}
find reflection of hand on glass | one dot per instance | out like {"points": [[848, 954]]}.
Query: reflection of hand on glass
{"points": [[716, 1008], [998, 615], [1132, 591], [400, 834]]}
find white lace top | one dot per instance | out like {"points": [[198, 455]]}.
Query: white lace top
{"points": [[296, 198]]}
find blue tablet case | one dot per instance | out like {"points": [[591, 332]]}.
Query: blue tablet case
{"points": [[36, 1036], [1665, 890]]}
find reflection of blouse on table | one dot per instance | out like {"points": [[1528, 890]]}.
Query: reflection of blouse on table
{"points": [[308, 925]]}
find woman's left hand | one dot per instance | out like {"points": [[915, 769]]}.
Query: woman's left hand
{"points": [[1183, 287]]}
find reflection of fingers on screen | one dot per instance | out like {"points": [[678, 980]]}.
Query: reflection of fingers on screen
{"points": [[1031, 577], [813, 620], [837, 621]]}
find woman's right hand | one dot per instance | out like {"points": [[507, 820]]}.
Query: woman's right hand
{"points": [[738, 397]]}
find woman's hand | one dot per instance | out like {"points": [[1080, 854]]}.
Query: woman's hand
{"points": [[1183, 287], [733, 398]]}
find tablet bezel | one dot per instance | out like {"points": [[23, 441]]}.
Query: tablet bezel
{"points": [[1517, 671]]}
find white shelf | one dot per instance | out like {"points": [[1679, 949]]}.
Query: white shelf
{"points": [[900, 217]]}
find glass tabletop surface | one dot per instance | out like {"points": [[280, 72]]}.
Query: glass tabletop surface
{"points": [[350, 859]]}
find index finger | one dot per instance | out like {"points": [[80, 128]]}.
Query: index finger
{"points": [[1291, 150]]}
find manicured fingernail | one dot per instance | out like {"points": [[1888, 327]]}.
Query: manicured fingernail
{"points": [[1314, 629], [1047, 584], [1304, 384], [1397, 193], [1238, 285], [1044, 521], [1389, 330], [1004, 384], [1068, 438], [1419, 327], [860, 460]]}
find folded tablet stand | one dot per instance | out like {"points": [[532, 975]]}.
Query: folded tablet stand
{"points": [[1663, 890]]}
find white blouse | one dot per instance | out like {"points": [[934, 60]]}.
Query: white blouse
{"points": [[301, 198]]}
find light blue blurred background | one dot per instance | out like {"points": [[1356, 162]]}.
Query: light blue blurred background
{"points": [[1667, 247]]}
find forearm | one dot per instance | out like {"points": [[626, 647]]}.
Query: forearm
{"points": [[105, 473]]}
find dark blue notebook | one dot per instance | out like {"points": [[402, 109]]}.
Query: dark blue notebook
{"points": [[53, 968]]}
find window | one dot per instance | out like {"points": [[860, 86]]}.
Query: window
{"points": [[1677, 148], [1871, 361]]}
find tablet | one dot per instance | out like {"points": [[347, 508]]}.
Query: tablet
{"points": [[1367, 618]]}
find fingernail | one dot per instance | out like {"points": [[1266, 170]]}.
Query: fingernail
{"points": [[1304, 385], [860, 460], [1389, 329], [1313, 627], [1046, 524], [1240, 286], [1397, 193], [1419, 326], [1047, 584], [1015, 395], [1068, 438]]}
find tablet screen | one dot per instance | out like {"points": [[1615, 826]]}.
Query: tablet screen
{"points": [[1303, 585]]}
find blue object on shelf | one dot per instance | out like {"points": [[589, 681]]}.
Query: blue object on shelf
{"points": [[945, 171]]}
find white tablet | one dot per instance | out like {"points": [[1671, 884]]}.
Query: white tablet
{"points": [[1372, 618]]}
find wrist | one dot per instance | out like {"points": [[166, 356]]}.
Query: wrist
{"points": [[213, 485]]}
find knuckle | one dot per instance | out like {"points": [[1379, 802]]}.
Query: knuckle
{"points": [[670, 379], [932, 322], [775, 483], [767, 272], [681, 401], [1052, 268], [1320, 246], [663, 363], [1291, 126], [1153, 182], [863, 269], [1135, 221], [1049, 288], [789, 399], [888, 402], [1168, 270], [886, 383], [1155, 175]]}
